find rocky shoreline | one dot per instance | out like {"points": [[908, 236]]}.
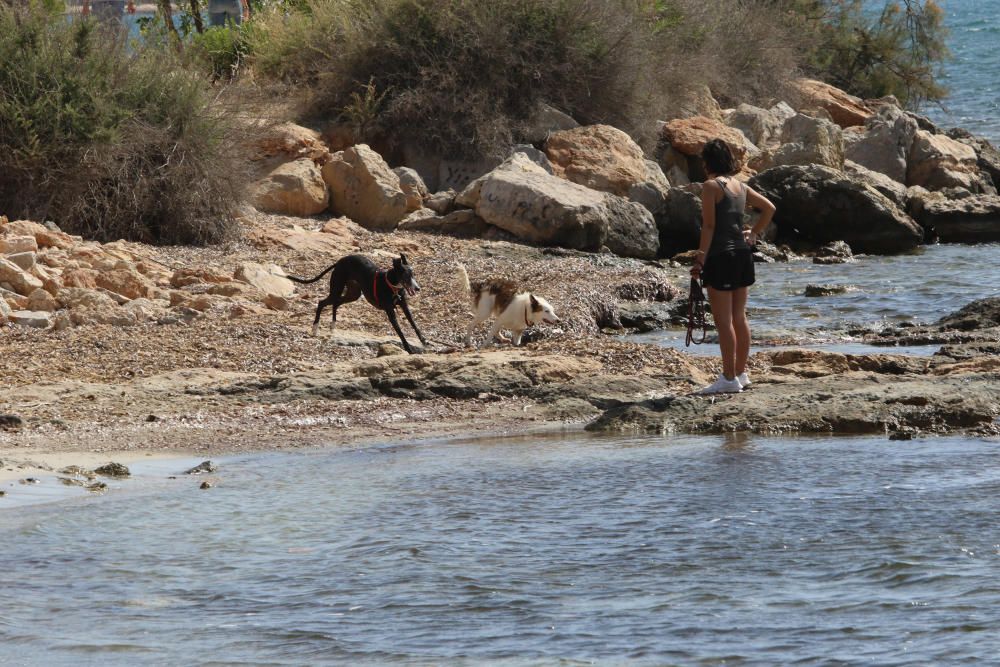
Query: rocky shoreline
{"points": [[127, 347]]}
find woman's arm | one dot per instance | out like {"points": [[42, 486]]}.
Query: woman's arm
{"points": [[709, 192], [766, 208]]}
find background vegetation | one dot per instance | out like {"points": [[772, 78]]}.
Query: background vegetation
{"points": [[107, 141], [112, 138]]}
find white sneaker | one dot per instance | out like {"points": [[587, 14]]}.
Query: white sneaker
{"points": [[722, 386], [744, 380]]}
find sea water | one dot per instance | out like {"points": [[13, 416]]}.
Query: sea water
{"points": [[538, 550]]}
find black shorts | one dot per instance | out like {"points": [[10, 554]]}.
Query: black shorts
{"points": [[729, 270]]}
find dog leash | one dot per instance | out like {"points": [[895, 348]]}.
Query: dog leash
{"points": [[696, 314]]}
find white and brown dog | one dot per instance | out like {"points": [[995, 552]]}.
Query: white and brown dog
{"points": [[515, 311]]}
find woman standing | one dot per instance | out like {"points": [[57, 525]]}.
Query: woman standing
{"points": [[725, 260]]}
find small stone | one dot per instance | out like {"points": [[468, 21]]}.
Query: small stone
{"points": [[388, 350], [901, 435], [30, 480], [97, 487], [11, 421], [825, 290], [206, 485], [113, 470], [204, 466], [152, 418]]}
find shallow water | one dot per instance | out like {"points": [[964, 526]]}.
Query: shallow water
{"points": [[533, 550], [915, 288]]}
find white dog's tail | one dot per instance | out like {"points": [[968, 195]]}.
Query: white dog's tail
{"points": [[463, 278]]}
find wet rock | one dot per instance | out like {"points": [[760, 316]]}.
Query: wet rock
{"points": [[837, 252], [822, 205], [825, 290], [116, 470], [203, 467], [97, 487], [974, 219], [644, 317], [850, 402], [29, 481], [981, 314], [206, 485]]}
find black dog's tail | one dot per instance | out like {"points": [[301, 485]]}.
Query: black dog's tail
{"points": [[303, 281]]}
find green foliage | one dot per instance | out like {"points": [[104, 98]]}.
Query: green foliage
{"points": [[108, 142], [896, 51], [223, 49]]}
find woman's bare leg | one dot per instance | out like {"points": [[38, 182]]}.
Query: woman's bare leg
{"points": [[722, 313], [741, 327]]}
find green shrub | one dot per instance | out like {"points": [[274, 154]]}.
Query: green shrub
{"points": [[106, 141], [898, 50]]}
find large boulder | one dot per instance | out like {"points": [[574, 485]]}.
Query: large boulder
{"points": [[413, 186], [807, 140], [846, 110], [522, 198], [10, 244], [545, 121], [604, 158], [288, 141], [889, 187], [884, 145], [293, 188], [689, 135], [761, 126], [365, 189], [987, 155], [680, 225], [599, 157], [973, 219], [936, 162], [819, 205]]}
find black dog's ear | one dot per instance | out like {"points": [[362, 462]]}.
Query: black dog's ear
{"points": [[402, 258], [396, 262]]}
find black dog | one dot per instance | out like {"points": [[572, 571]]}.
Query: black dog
{"points": [[355, 275]]}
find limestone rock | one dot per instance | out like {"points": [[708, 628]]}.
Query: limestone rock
{"points": [[413, 186], [365, 189], [10, 245], [987, 155], [807, 140], [17, 279], [937, 162], [25, 260], [42, 301], [689, 135], [294, 188], [545, 121], [525, 200], [884, 145], [889, 187], [761, 126], [599, 157], [30, 318], [128, 282], [192, 275], [845, 109], [290, 142], [268, 278]]}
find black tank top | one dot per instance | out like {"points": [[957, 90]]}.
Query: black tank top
{"points": [[729, 210]]}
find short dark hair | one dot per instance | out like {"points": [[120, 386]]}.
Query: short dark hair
{"points": [[718, 158]]}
